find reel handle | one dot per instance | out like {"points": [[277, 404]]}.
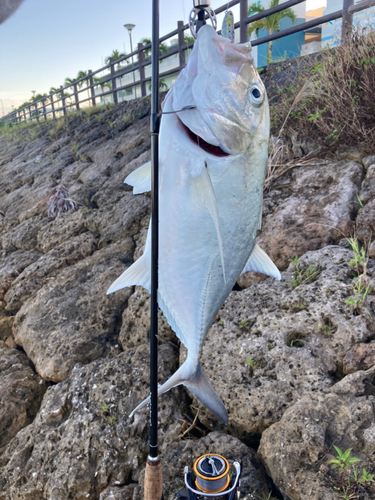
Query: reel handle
{"points": [[153, 488]]}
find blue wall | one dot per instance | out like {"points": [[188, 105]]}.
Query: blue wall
{"points": [[289, 46]]}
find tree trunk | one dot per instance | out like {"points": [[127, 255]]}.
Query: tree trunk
{"points": [[269, 51]]}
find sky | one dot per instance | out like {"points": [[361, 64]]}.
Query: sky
{"points": [[46, 41]]}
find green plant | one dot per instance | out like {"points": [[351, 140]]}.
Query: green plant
{"points": [[343, 460], [271, 23], [298, 306], [359, 260], [245, 324], [252, 364], [356, 301], [301, 274], [297, 343], [111, 419], [75, 148], [104, 408], [326, 327]]}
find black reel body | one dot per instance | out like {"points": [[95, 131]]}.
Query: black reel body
{"points": [[212, 478]]}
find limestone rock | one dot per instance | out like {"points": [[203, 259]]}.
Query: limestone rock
{"points": [[368, 161], [274, 342], [367, 192], [46, 268], [71, 319], [135, 329], [306, 209], [82, 441], [360, 357], [12, 265], [366, 222], [294, 450], [21, 392]]}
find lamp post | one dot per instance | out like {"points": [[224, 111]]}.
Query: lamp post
{"points": [[129, 27]]}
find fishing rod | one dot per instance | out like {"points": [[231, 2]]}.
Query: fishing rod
{"points": [[153, 485], [212, 477]]}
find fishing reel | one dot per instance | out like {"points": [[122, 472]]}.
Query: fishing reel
{"points": [[212, 478], [198, 14]]}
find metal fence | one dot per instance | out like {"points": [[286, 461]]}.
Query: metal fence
{"points": [[60, 102]]}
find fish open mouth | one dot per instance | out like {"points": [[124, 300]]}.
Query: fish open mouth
{"points": [[206, 146]]}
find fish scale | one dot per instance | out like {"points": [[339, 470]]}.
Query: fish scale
{"points": [[212, 163]]}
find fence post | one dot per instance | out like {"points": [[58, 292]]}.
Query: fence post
{"points": [[91, 81], [29, 108], [141, 69], [52, 106], [113, 81], [44, 109], [243, 26], [36, 112], [76, 95], [63, 100], [347, 22], [24, 113], [181, 42]]}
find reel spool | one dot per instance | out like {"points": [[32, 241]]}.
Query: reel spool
{"points": [[197, 15], [211, 479]]}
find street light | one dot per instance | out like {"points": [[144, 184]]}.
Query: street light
{"points": [[33, 92], [129, 27]]}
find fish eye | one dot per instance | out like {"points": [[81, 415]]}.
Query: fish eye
{"points": [[256, 95]]}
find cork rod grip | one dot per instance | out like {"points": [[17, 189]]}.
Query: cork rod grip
{"points": [[153, 480]]}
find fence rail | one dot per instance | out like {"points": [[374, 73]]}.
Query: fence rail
{"points": [[61, 102]]}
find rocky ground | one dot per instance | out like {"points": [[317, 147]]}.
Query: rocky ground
{"points": [[293, 361]]}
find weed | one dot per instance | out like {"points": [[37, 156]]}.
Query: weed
{"points": [[298, 306], [350, 483], [104, 408], [252, 364], [82, 157], [111, 419], [343, 460], [326, 327], [303, 275], [356, 301], [75, 148], [297, 343], [246, 324], [284, 305], [359, 260], [271, 346]]}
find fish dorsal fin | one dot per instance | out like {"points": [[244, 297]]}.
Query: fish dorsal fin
{"points": [[140, 179], [260, 262], [137, 274], [205, 189]]}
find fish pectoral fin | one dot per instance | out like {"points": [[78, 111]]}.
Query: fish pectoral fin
{"points": [[260, 262], [206, 191], [195, 380], [137, 274], [140, 179]]}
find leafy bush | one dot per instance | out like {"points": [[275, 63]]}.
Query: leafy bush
{"points": [[333, 100]]}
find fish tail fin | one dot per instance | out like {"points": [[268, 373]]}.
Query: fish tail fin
{"points": [[194, 379], [137, 274], [202, 389]]}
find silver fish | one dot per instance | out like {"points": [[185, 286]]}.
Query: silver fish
{"points": [[212, 169]]}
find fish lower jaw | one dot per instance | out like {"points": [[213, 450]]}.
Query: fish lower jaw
{"points": [[202, 144]]}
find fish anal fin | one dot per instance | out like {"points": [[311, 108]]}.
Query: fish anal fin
{"points": [[140, 179], [194, 379], [137, 274], [260, 262]]}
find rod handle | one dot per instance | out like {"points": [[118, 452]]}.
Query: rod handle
{"points": [[153, 480]]}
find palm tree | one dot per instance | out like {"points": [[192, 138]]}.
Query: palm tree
{"points": [[83, 74], [163, 49], [270, 23], [115, 56]]}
